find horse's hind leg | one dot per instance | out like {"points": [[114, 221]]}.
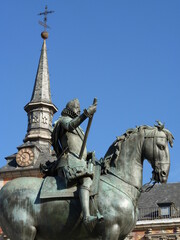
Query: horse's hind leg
{"points": [[25, 233], [29, 233], [111, 232]]}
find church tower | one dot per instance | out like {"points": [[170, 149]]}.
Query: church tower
{"points": [[36, 147], [40, 109]]}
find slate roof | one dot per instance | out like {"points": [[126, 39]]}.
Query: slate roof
{"points": [[165, 193]]}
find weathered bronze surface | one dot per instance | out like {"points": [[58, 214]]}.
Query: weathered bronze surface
{"points": [[74, 164], [24, 216]]}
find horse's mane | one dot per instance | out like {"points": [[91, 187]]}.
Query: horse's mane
{"points": [[111, 156]]}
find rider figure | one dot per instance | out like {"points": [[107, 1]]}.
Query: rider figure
{"points": [[67, 139]]}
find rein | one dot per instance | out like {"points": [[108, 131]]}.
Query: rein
{"points": [[149, 186], [155, 163], [141, 190], [129, 183]]}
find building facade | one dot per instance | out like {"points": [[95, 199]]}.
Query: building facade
{"points": [[159, 214]]}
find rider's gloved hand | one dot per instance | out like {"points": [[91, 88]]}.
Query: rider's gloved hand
{"points": [[91, 157], [91, 110]]}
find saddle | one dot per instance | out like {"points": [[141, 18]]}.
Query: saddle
{"points": [[55, 186]]}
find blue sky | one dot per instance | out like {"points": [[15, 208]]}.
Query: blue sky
{"points": [[125, 53]]}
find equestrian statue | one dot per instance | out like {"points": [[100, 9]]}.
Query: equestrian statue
{"points": [[80, 197]]}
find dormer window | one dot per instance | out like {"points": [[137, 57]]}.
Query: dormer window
{"points": [[165, 209]]}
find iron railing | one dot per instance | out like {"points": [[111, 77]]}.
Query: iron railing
{"points": [[157, 213]]}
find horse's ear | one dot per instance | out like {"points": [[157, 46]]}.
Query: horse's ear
{"points": [[159, 125], [171, 143], [169, 135]]}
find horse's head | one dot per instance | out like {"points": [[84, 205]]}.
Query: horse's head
{"points": [[156, 151]]}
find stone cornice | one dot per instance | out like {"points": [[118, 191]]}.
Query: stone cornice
{"points": [[157, 223], [33, 105]]}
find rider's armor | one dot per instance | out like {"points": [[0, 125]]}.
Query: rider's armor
{"points": [[67, 140], [71, 138]]}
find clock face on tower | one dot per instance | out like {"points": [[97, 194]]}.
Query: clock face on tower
{"points": [[24, 157]]}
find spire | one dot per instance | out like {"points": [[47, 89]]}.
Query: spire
{"points": [[40, 109], [41, 92]]}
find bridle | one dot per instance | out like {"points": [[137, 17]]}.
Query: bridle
{"points": [[155, 165], [155, 161]]}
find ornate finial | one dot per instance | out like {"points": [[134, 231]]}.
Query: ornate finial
{"points": [[44, 34]]}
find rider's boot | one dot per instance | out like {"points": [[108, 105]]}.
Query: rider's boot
{"points": [[84, 199]]}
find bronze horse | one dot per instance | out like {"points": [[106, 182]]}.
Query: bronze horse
{"points": [[24, 216]]}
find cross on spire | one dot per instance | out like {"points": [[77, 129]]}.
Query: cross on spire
{"points": [[44, 23]]}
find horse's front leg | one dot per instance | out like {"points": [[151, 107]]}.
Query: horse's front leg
{"points": [[111, 232]]}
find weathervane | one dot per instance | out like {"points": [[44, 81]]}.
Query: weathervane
{"points": [[44, 34]]}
